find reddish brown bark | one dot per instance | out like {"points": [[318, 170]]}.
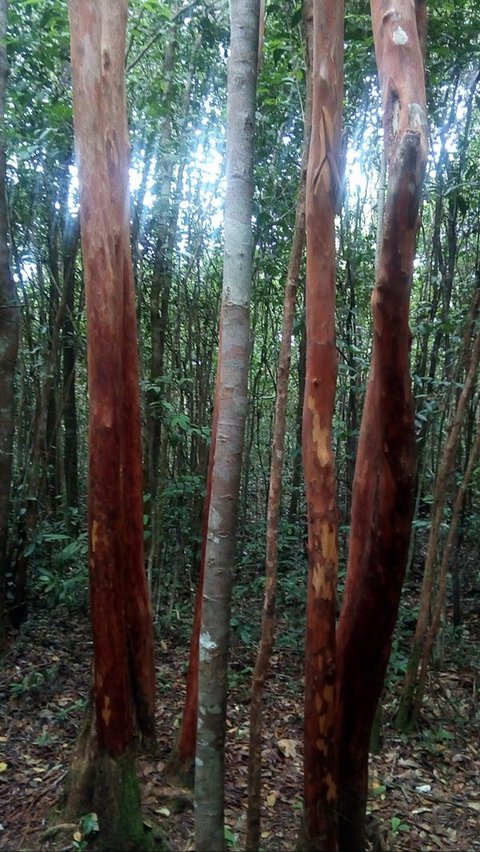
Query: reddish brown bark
{"points": [[421, 13], [138, 613], [323, 190], [102, 149], [383, 490], [124, 676]]}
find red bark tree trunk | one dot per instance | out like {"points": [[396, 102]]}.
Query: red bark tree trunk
{"points": [[121, 620], [323, 191], [383, 490]]}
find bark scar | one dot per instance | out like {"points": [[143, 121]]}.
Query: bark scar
{"points": [[326, 174]]}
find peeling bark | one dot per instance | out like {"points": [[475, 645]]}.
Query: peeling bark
{"points": [[124, 675], [323, 192], [383, 491]]}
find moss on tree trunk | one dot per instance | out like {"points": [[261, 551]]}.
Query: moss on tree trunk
{"points": [[117, 802]]}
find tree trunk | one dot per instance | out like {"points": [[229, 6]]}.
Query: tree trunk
{"points": [[124, 678], [9, 326], [323, 192], [231, 412], [383, 490]]}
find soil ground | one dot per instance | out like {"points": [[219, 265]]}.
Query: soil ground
{"points": [[424, 788]]}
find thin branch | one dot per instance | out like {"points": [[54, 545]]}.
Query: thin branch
{"points": [[156, 34]]}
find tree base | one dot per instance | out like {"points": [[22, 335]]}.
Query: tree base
{"points": [[179, 773], [78, 798], [352, 828], [108, 787], [376, 735], [406, 719], [117, 804]]}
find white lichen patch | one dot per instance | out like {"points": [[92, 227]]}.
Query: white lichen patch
{"points": [[323, 67], [206, 646], [417, 116], [215, 519], [237, 262], [399, 36], [396, 115]]}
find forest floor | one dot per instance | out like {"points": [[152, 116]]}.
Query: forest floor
{"points": [[424, 789]]}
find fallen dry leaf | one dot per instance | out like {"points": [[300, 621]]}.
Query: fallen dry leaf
{"points": [[287, 747], [272, 799]]}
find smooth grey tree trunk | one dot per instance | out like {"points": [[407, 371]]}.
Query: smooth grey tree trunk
{"points": [[230, 408]]}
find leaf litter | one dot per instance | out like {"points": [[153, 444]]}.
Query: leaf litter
{"points": [[423, 790]]}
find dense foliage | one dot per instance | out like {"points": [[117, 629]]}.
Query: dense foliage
{"points": [[176, 63]]}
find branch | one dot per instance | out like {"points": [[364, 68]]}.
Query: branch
{"points": [[148, 45]]}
